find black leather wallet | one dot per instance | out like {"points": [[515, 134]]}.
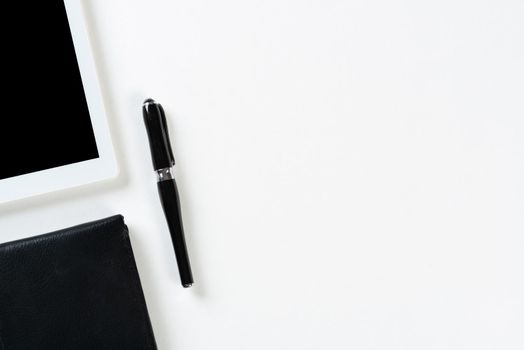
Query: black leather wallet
{"points": [[73, 289]]}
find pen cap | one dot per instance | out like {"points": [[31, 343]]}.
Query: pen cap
{"points": [[156, 127]]}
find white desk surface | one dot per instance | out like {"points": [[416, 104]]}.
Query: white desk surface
{"points": [[351, 172]]}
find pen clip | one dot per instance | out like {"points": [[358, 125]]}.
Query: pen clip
{"points": [[165, 132], [157, 132]]}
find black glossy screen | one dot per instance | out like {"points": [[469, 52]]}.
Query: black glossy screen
{"points": [[44, 120]]}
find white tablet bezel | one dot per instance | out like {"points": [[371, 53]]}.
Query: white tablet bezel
{"points": [[85, 172]]}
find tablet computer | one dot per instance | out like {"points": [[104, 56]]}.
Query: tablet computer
{"points": [[53, 129]]}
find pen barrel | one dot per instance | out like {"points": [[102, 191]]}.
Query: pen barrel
{"points": [[171, 203]]}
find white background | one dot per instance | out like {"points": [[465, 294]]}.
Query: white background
{"points": [[351, 172]]}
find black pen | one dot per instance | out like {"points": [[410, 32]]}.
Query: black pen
{"points": [[163, 162]]}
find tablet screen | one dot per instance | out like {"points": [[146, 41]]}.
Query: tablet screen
{"points": [[45, 121]]}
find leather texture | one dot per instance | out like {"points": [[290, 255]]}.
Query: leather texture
{"points": [[73, 289]]}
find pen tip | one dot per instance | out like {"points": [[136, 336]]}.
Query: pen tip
{"points": [[148, 101]]}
